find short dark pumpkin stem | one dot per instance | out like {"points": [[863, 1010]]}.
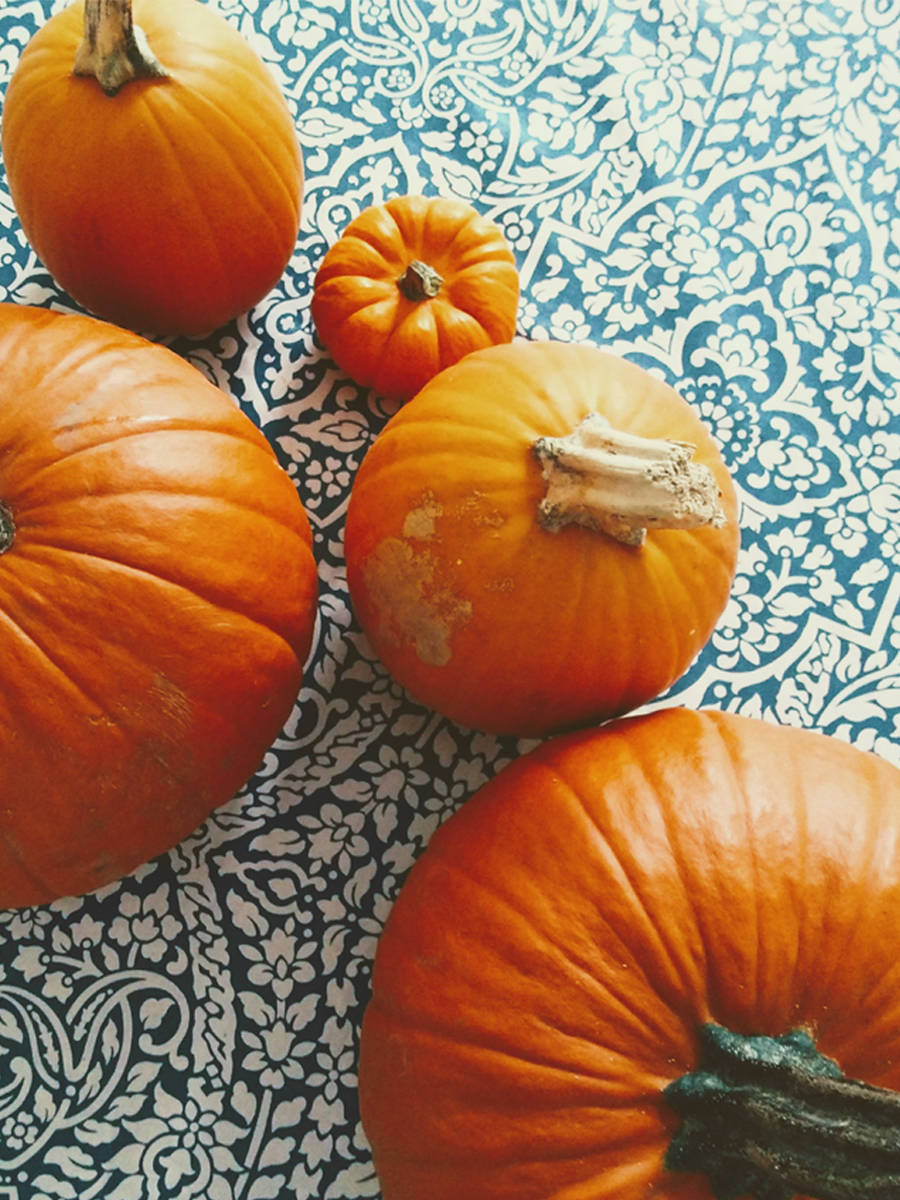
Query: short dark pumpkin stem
{"points": [[419, 282], [772, 1117], [114, 50], [7, 529]]}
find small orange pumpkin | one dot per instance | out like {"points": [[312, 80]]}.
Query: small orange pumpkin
{"points": [[172, 204], [614, 911], [157, 601], [410, 288], [472, 588]]}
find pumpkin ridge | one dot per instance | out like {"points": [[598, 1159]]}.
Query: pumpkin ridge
{"points": [[446, 245], [190, 188], [711, 731], [25, 635], [651, 924], [166, 488], [277, 175], [415, 311], [458, 1039], [605, 992], [823, 984], [157, 577], [447, 317], [166, 425], [668, 824]]}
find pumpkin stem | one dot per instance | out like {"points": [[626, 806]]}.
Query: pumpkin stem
{"points": [[419, 282], [621, 484], [771, 1117], [7, 529], [114, 50]]}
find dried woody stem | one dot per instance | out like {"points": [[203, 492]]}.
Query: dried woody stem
{"points": [[114, 50], [420, 282], [622, 485]]}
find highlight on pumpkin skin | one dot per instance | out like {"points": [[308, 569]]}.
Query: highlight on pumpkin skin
{"points": [[544, 536], [199, 209], [652, 959], [410, 288]]}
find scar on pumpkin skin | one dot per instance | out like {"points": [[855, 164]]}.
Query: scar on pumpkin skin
{"points": [[419, 522], [395, 579], [480, 512]]}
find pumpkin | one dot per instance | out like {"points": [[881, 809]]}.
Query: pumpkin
{"points": [[410, 288], [157, 601], [170, 202], [507, 547], [654, 959]]}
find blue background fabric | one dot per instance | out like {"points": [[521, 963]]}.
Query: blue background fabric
{"points": [[707, 187]]}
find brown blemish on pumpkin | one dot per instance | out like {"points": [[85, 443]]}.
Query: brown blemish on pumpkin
{"points": [[504, 585], [398, 582], [477, 509], [419, 523]]}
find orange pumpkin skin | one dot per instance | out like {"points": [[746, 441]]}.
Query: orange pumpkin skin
{"points": [[382, 339], [157, 602], [481, 613], [172, 206], [544, 971]]}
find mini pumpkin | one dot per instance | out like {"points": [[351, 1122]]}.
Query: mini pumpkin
{"points": [[656, 959], [157, 601], [410, 288], [160, 185], [507, 545]]}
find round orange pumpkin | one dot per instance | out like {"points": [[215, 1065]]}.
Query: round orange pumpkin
{"points": [[410, 288], [173, 204], [614, 911], [471, 588], [157, 601]]}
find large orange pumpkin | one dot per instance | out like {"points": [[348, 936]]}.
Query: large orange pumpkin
{"points": [[607, 976], [173, 204], [473, 590], [411, 287], [157, 601]]}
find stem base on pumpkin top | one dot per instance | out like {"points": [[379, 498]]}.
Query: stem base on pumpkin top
{"points": [[7, 529], [420, 282], [622, 485], [772, 1118], [114, 50]]}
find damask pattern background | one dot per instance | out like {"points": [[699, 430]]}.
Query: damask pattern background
{"points": [[707, 187]]}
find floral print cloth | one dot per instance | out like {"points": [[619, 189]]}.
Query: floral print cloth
{"points": [[707, 187]]}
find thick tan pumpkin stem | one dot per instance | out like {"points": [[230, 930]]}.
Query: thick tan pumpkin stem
{"points": [[114, 50], [419, 282], [621, 484]]}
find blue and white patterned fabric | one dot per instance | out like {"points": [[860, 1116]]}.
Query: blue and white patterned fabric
{"points": [[707, 187]]}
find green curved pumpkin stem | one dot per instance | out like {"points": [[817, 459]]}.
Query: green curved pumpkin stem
{"points": [[621, 484], [420, 282], [7, 529], [772, 1118], [114, 50]]}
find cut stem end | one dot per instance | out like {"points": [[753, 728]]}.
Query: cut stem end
{"points": [[623, 485], [114, 50]]}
